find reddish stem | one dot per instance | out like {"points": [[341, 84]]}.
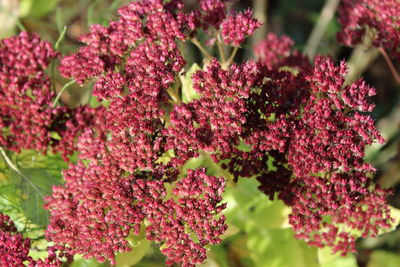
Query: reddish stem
{"points": [[390, 64]]}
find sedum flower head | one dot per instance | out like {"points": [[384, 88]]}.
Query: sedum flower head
{"points": [[375, 20]]}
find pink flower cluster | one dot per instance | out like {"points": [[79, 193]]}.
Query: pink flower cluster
{"points": [[236, 28], [98, 208], [26, 87], [14, 248], [377, 20], [318, 135], [300, 116], [194, 210], [277, 52], [134, 63]]}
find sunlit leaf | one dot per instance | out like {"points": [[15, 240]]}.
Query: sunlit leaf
{"points": [[395, 214], [127, 259], [278, 247], [188, 92], [81, 262], [328, 259]]}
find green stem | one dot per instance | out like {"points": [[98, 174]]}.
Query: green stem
{"points": [[62, 91], [52, 65], [20, 26], [221, 51], [260, 13], [175, 97], [360, 59], [318, 32], [231, 58], [60, 38], [201, 48], [390, 64]]}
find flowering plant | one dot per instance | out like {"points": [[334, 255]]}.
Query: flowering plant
{"points": [[167, 145]]}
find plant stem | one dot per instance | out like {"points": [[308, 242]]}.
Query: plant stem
{"points": [[318, 32], [20, 26], [60, 38], [361, 57], [62, 91], [15, 168], [175, 97], [231, 57], [221, 51], [260, 13], [390, 64], [201, 48], [52, 65]]}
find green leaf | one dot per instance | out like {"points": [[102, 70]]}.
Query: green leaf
{"points": [[246, 202], [79, 261], [265, 222], [278, 247], [381, 258], [53, 163], [188, 92], [348, 261], [326, 255], [395, 214], [127, 259], [38, 254], [327, 258], [35, 184]]}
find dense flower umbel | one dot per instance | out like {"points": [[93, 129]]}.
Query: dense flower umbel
{"points": [[192, 211], [236, 28], [25, 87], [137, 63], [377, 20], [97, 209], [275, 52], [14, 248], [328, 186], [93, 214], [306, 121]]}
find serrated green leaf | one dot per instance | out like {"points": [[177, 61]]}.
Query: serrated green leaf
{"points": [[188, 92], [52, 163]]}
